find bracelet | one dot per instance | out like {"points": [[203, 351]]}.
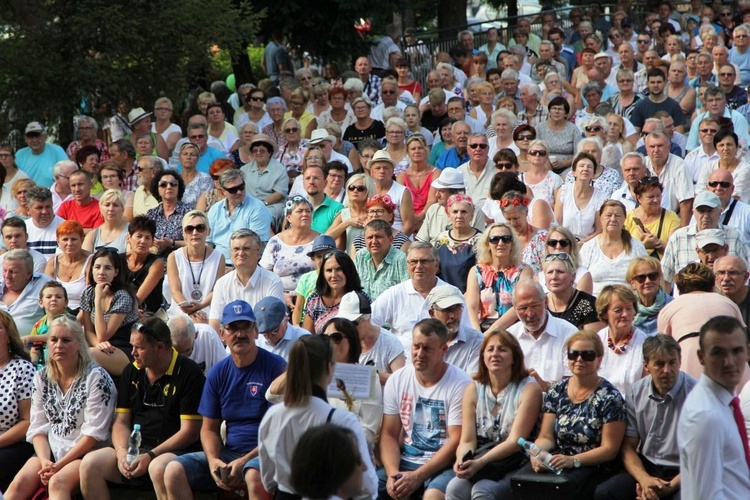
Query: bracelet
{"points": [[151, 454]]}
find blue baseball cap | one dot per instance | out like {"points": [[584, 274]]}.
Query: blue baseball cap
{"points": [[239, 310], [271, 312]]}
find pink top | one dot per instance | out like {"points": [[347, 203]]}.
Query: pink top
{"points": [[419, 196]]}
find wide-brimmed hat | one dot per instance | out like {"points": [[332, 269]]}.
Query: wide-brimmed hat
{"points": [[380, 156], [263, 139], [136, 115], [450, 178], [319, 135]]}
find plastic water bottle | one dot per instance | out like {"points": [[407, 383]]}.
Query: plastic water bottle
{"points": [[134, 445], [536, 452]]}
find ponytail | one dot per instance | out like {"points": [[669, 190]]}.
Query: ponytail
{"points": [[308, 362]]}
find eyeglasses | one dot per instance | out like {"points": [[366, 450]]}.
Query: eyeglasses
{"points": [[562, 243], [724, 184], [376, 212], [336, 337], [644, 41], [196, 137], [505, 165], [480, 146], [649, 180], [585, 355], [164, 184], [387, 92], [538, 152], [85, 128], [154, 396], [505, 238], [625, 80], [726, 74], [416, 262], [359, 189], [641, 278], [739, 36], [291, 130], [198, 228], [258, 99], [164, 109], [236, 189], [614, 35], [556, 256], [709, 130], [525, 137], [593, 128], [727, 273]]}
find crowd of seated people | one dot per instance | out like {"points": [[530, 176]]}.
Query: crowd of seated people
{"points": [[549, 242]]}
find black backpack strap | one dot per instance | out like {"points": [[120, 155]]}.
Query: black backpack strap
{"points": [[330, 414]]}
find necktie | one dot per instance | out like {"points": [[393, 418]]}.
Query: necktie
{"points": [[740, 421]]}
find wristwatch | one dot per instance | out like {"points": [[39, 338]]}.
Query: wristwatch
{"points": [[576, 462]]}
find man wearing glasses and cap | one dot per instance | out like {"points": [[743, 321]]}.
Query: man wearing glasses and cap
{"points": [[276, 335], [160, 391], [39, 157], [446, 305], [235, 393]]}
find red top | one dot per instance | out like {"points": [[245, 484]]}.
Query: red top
{"points": [[420, 195], [88, 215]]}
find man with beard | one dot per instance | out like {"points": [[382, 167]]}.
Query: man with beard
{"points": [[422, 408], [731, 276], [143, 201], [657, 100], [464, 343]]}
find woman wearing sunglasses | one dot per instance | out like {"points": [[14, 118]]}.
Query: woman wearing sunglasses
{"points": [[644, 275], [577, 206], [561, 240], [110, 308], [418, 177], [195, 182], [544, 183], [193, 270], [501, 406], [515, 208], [583, 421], [649, 221], [622, 364], [608, 256], [559, 133], [208, 198], [489, 285], [383, 208], [168, 187], [286, 253], [257, 114], [523, 135], [350, 222], [337, 277], [242, 154], [292, 154], [563, 299], [726, 144]]}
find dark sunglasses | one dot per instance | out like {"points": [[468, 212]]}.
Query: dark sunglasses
{"points": [[216, 177], [164, 184], [556, 256], [644, 41], [709, 130], [641, 278], [480, 146], [538, 152], [258, 99], [593, 128], [505, 238], [235, 189], [506, 165], [649, 180], [336, 337], [388, 92], [525, 137], [196, 137], [359, 189], [198, 228], [291, 130], [562, 243], [585, 355], [723, 184]]}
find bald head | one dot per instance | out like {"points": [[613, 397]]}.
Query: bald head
{"points": [[717, 184], [182, 331]]}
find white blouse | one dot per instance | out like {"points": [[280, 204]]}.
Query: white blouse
{"points": [[623, 370], [87, 409]]}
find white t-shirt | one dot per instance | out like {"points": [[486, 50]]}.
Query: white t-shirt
{"points": [[425, 412], [386, 349], [208, 348]]}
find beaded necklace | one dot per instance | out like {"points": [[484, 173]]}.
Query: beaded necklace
{"points": [[622, 346]]}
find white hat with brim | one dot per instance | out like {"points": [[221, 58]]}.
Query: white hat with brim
{"points": [[136, 115], [450, 178], [381, 156], [319, 135]]}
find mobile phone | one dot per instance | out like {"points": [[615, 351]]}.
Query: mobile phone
{"points": [[468, 456], [184, 304]]}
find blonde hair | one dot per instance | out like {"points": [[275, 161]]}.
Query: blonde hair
{"points": [[112, 194], [369, 184], [195, 213], [484, 256], [84, 355]]}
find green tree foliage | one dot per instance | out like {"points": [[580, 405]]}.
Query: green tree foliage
{"points": [[56, 54]]}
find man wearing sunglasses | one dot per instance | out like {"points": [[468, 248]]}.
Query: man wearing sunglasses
{"points": [[680, 249], [275, 334], [446, 305], [541, 335], [161, 391], [739, 53], [478, 171], [706, 152], [235, 393], [388, 98], [650, 454], [207, 141], [734, 213]]}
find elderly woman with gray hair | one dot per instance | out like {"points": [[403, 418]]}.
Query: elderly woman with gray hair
{"points": [[605, 179], [276, 107], [242, 155], [292, 153], [286, 253], [592, 94], [266, 178]]}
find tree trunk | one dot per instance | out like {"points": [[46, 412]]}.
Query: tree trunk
{"points": [[451, 17], [512, 13], [243, 70]]}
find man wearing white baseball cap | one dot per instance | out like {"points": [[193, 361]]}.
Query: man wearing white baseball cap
{"points": [[446, 304]]}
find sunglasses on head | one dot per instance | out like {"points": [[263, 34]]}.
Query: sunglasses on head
{"points": [[585, 355], [505, 238], [359, 189], [480, 146], [538, 152], [235, 189], [723, 184], [649, 180], [641, 278], [562, 243], [593, 128], [198, 228], [556, 256], [336, 337], [164, 184]]}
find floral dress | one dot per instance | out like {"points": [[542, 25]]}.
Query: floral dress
{"points": [[496, 289], [457, 257], [201, 184], [533, 253], [288, 262], [579, 426], [292, 159], [319, 312]]}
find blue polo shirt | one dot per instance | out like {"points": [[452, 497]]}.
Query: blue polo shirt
{"points": [[39, 167], [206, 159], [250, 214], [451, 159]]}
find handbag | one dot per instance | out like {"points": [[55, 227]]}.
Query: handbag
{"points": [[40, 494], [496, 470]]}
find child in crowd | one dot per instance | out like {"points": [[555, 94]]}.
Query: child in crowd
{"points": [[54, 300]]}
